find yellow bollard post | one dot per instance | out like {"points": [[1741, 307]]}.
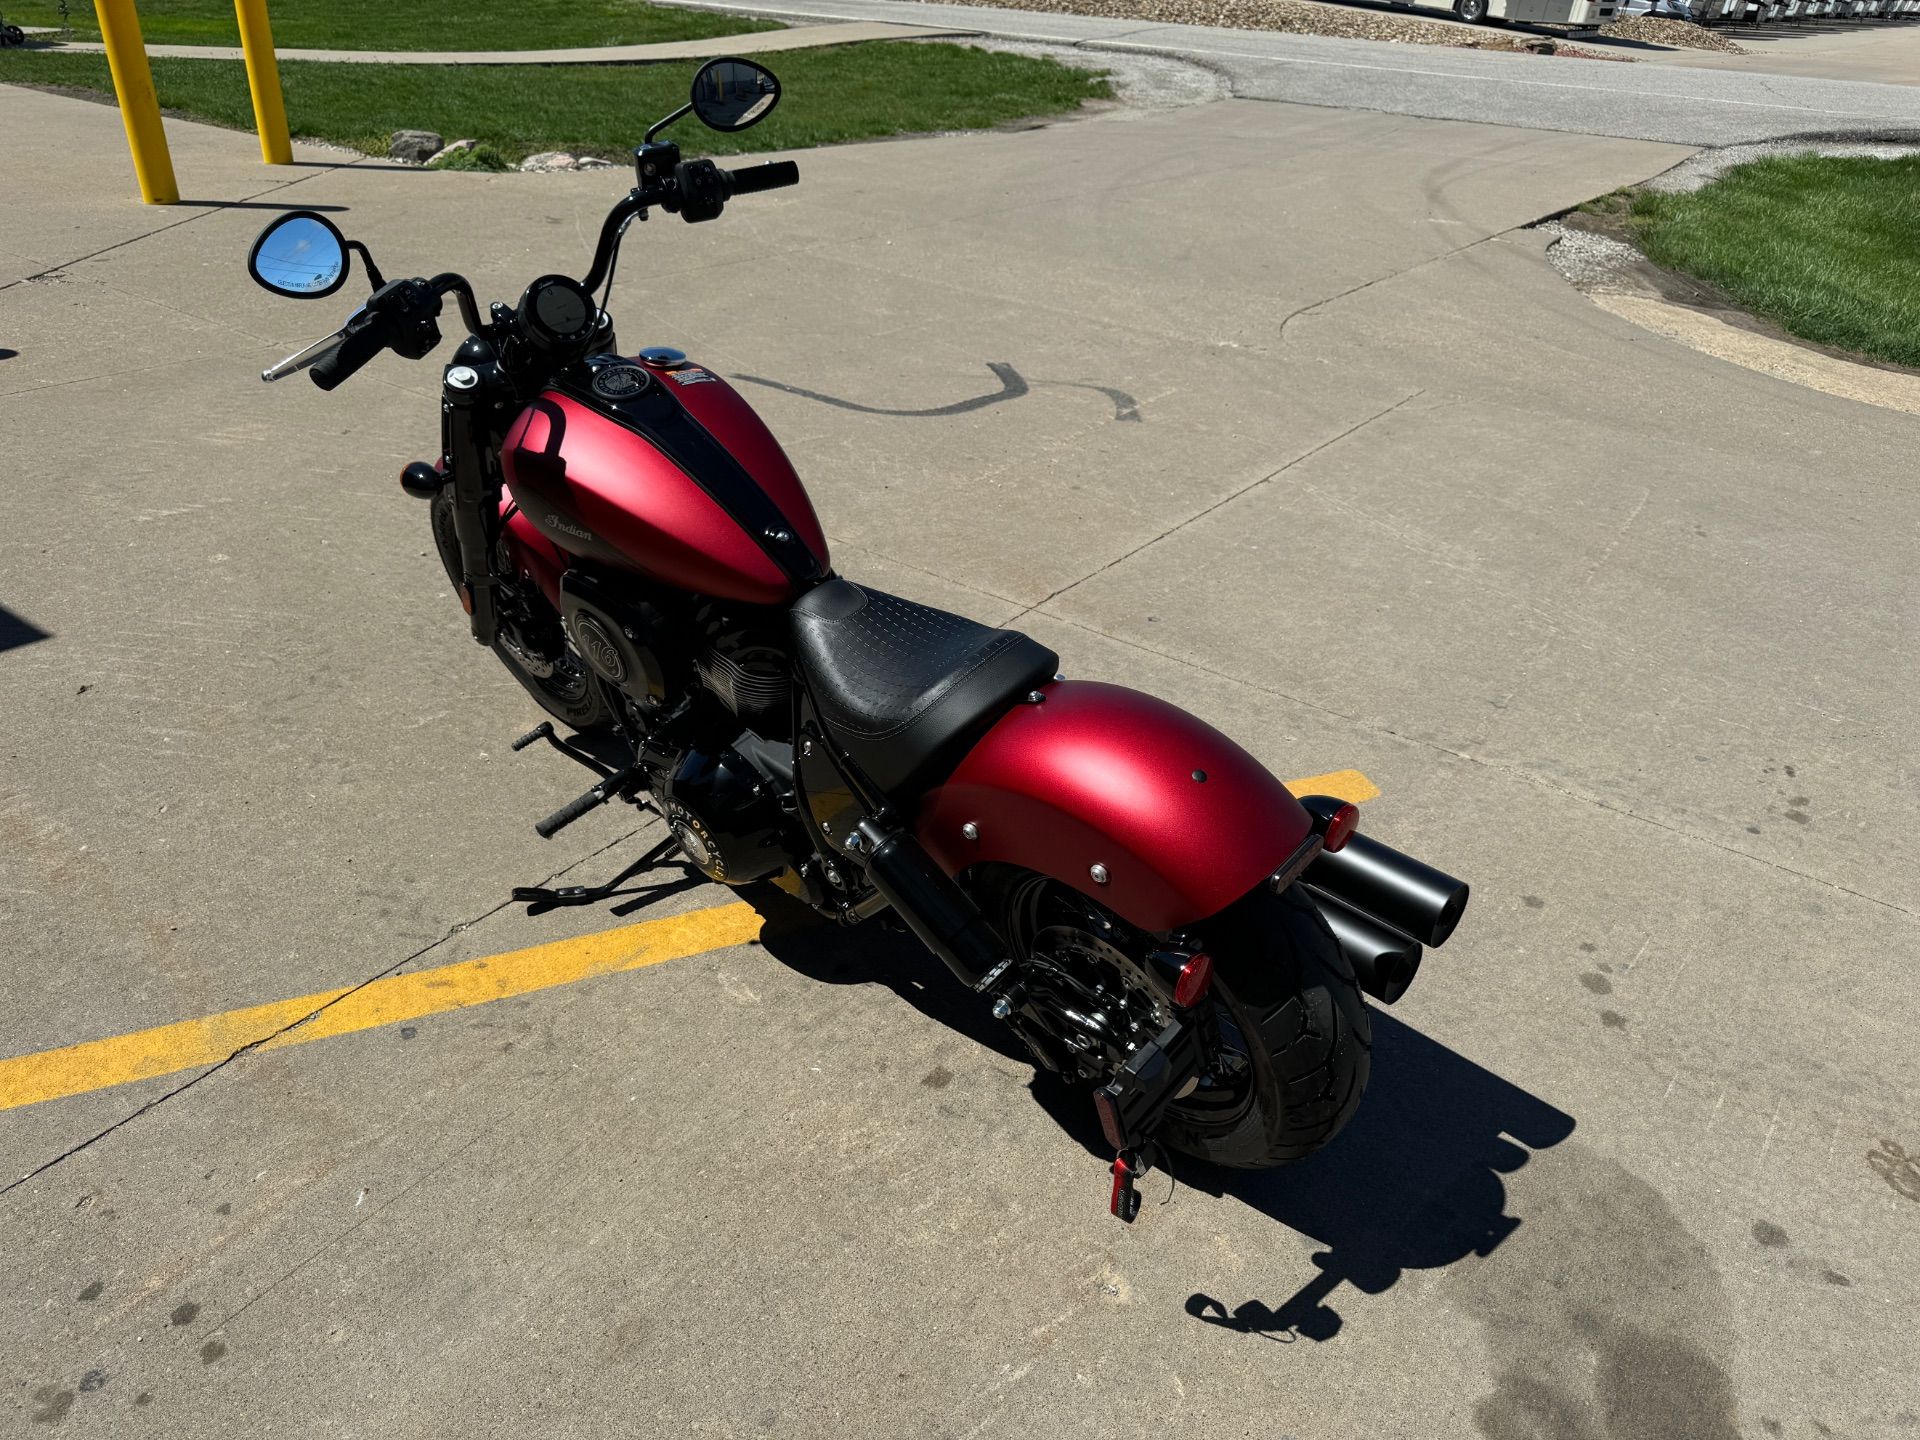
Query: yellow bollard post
{"points": [[263, 78], [139, 108]]}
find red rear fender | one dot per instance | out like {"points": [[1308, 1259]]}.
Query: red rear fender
{"points": [[1182, 821]]}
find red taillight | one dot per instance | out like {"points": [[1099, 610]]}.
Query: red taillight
{"points": [[1195, 976], [1340, 828]]}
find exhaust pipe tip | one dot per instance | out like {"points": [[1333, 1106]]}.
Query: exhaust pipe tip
{"points": [[1384, 961], [1398, 890]]}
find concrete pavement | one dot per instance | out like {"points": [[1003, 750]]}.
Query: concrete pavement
{"points": [[1587, 97], [1622, 634], [1881, 54]]}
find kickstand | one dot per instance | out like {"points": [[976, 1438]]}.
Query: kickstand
{"points": [[591, 894]]}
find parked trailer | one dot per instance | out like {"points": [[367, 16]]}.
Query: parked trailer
{"points": [[1581, 13]]}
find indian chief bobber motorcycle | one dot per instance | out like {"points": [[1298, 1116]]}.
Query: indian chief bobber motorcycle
{"points": [[1147, 908]]}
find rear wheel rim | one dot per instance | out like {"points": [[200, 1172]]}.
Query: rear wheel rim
{"points": [[1067, 940]]}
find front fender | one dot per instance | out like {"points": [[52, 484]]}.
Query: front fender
{"points": [[1182, 820]]}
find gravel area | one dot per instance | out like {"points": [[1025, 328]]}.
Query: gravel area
{"points": [[1676, 34], [1702, 169], [1587, 259], [1303, 17]]}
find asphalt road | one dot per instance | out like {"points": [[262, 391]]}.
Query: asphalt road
{"points": [[1622, 634], [1666, 102]]}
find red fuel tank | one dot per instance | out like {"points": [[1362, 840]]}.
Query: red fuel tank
{"points": [[668, 472]]}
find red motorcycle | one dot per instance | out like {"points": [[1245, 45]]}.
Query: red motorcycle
{"points": [[1148, 909]]}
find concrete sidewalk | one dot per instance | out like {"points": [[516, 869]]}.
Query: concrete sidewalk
{"points": [[799, 37], [1622, 634]]}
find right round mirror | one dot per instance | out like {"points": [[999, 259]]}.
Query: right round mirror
{"points": [[733, 94], [301, 255]]}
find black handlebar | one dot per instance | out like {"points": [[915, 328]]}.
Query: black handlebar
{"points": [[754, 178], [400, 314], [355, 349]]}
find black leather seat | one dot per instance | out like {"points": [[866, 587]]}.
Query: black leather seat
{"points": [[904, 688]]}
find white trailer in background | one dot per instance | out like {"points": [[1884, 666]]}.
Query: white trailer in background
{"points": [[1582, 13]]}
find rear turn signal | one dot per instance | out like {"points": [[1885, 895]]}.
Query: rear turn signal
{"points": [[1340, 827], [1190, 988]]}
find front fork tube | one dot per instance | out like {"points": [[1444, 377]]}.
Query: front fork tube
{"points": [[476, 497]]}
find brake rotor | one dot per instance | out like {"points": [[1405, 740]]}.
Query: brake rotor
{"points": [[1103, 995]]}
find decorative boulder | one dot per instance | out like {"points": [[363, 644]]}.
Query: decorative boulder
{"points": [[548, 160], [419, 146], [452, 148]]}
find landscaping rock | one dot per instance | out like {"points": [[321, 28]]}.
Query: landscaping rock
{"points": [[549, 160], [453, 148], [418, 146], [1299, 17], [1665, 30]]}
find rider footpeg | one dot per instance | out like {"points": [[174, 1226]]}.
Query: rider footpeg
{"points": [[542, 731]]}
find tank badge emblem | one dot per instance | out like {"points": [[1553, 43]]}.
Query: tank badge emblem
{"points": [[689, 376], [619, 381]]}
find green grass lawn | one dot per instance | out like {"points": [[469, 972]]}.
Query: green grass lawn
{"points": [[1827, 248], [830, 95], [404, 24]]}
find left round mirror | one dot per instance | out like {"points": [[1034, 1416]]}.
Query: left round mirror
{"points": [[301, 254], [733, 94]]}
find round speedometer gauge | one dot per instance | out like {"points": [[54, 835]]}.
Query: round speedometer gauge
{"points": [[556, 311]]}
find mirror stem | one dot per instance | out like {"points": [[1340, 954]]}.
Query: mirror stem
{"points": [[660, 125], [374, 278]]}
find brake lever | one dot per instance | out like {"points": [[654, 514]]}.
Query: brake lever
{"points": [[312, 355]]}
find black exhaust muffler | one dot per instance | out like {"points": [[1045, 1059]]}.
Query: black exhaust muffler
{"points": [[933, 907], [1384, 961], [1415, 899]]}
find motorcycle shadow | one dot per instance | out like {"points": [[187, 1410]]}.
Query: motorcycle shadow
{"points": [[876, 953], [1415, 1182]]}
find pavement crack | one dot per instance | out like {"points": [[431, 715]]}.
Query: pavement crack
{"points": [[208, 207], [1223, 500], [458, 927], [1281, 334]]}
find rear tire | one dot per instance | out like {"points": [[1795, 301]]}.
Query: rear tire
{"points": [[571, 693], [1293, 1049], [1473, 12], [1281, 982]]}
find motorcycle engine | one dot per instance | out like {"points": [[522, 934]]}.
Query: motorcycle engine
{"points": [[724, 813], [748, 674], [614, 636]]}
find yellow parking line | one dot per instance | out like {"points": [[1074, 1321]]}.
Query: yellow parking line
{"points": [[1341, 784], [187, 1044], [97, 1064]]}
